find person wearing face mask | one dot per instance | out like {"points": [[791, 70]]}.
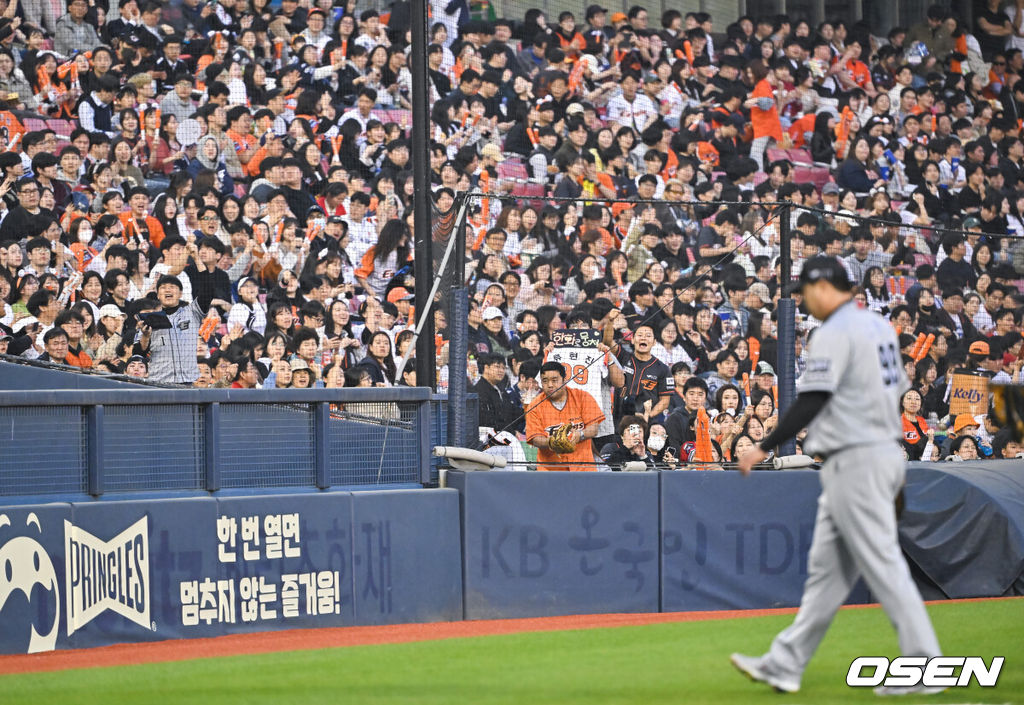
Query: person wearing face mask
{"points": [[629, 446], [928, 319], [657, 441], [81, 234]]}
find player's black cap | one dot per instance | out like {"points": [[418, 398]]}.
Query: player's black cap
{"points": [[821, 268]]}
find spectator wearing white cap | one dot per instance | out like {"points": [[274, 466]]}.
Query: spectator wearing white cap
{"points": [[494, 327], [248, 313], [110, 328]]}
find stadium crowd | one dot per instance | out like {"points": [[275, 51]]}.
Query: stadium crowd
{"points": [[219, 194]]}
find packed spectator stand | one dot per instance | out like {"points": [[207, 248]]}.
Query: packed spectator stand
{"points": [[220, 194]]}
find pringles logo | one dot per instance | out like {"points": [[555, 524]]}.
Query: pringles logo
{"points": [[107, 575]]}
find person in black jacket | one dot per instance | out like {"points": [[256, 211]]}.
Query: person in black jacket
{"points": [[955, 272], [629, 444], [209, 280], [822, 142], [679, 424], [497, 409]]}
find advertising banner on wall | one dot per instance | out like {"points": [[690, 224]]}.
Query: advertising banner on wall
{"points": [[553, 543], [91, 574], [731, 542]]}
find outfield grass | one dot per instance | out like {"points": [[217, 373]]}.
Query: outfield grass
{"points": [[666, 663]]}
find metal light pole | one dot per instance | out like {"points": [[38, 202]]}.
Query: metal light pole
{"points": [[424, 262], [787, 328]]}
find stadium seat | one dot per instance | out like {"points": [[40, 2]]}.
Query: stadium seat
{"points": [[775, 154], [402, 117], [34, 124], [512, 169], [800, 156], [817, 175], [535, 192], [63, 128]]}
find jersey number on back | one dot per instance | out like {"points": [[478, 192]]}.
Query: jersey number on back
{"points": [[889, 358]]}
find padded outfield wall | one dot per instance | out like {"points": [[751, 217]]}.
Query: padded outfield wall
{"points": [[495, 544]]}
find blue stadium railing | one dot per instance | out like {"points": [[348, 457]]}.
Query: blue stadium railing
{"points": [[104, 442]]}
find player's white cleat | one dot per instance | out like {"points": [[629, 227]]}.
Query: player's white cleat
{"points": [[919, 689], [751, 667]]}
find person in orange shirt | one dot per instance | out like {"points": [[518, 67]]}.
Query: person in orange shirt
{"points": [[560, 404], [855, 73], [764, 111], [137, 221]]}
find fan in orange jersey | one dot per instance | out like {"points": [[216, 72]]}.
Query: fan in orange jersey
{"points": [[558, 405]]}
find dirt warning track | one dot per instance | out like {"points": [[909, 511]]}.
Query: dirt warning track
{"points": [[306, 639]]}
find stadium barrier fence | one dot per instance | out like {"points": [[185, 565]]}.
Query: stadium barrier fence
{"points": [[75, 442], [492, 545]]}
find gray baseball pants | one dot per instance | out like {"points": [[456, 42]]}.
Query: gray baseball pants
{"points": [[854, 536]]}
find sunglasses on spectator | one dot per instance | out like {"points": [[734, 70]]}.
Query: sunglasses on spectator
{"points": [[209, 217], [999, 63]]}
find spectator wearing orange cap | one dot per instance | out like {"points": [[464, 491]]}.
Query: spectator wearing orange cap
{"points": [[964, 425], [402, 298]]}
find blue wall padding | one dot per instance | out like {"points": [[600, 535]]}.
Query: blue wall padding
{"points": [[539, 544]]}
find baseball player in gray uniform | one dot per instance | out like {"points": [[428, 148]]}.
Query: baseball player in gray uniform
{"points": [[849, 402]]}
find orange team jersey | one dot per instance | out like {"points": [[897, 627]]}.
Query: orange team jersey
{"points": [[156, 231], [242, 142], [542, 418], [766, 123], [859, 71], [800, 127], [10, 127], [910, 433]]}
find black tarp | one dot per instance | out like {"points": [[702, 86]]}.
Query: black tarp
{"points": [[963, 528]]}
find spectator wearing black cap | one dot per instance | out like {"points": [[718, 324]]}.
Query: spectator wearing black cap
{"points": [[172, 349]]}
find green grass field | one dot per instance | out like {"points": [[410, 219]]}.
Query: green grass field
{"points": [[666, 663]]}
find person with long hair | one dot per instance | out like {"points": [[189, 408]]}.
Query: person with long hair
{"points": [[855, 172], [876, 290], [537, 285], [338, 335], [378, 361], [168, 154], [280, 320], [313, 177], [669, 348], [122, 163], [381, 261], [915, 427]]}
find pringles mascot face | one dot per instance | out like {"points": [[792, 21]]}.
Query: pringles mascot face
{"points": [[25, 568]]}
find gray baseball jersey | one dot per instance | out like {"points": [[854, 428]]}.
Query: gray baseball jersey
{"points": [[855, 356]]}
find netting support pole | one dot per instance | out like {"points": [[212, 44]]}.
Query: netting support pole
{"points": [[423, 262], [458, 340], [787, 328]]}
